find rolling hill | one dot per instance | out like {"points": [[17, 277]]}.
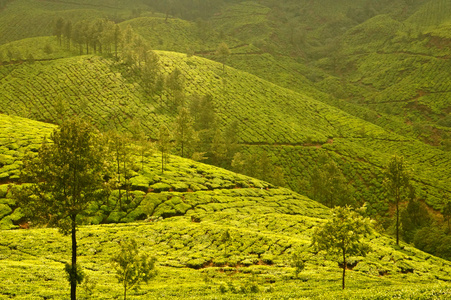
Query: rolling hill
{"points": [[190, 206], [292, 128], [307, 84]]}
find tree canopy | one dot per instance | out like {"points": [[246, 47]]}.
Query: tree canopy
{"points": [[131, 267], [342, 235], [397, 184], [65, 176]]}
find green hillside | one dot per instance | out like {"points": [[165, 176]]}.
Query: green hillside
{"points": [[309, 89], [187, 210], [401, 73], [293, 129], [320, 45], [18, 136], [335, 61], [197, 182]]}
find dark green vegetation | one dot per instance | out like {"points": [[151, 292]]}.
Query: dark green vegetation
{"points": [[337, 88], [61, 181]]}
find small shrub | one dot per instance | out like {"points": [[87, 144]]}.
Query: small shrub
{"points": [[48, 49], [297, 263], [222, 289]]}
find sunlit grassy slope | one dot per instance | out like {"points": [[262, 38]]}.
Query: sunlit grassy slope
{"points": [[188, 209], [294, 129], [194, 263]]}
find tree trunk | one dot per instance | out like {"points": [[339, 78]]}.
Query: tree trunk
{"points": [[73, 281], [344, 269], [162, 161], [182, 148], [125, 291], [115, 47], [126, 182], [119, 177], [397, 218]]}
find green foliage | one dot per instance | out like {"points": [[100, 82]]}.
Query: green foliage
{"points": [[342, 235], [414, 217], [120, 151], [177, 241], [386, 61], [164, 145], [433, 240], [202, 109], [364, 156], [297, 262], [65, 178], [74, 274], [65, 175], [329, 186], [447, 212], [397, 184], [131, 267], [223, 51], [185, 135]]}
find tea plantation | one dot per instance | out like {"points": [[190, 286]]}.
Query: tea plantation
{"points": [[303, 86], [292, 128], [184, 214]]}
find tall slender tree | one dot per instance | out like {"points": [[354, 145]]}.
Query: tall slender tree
{"points": [[67, 32], [164, 145], [58, 30], [447, 212], [120, 149], [218, 149], [224, 52], [66, 175], [118, 38], [174, 83], [185, 135], [397, 184]]}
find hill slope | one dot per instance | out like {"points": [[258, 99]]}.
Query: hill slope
{"points": [[293, 129], [190, 207]]}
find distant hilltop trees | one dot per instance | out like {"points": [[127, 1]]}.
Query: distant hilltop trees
{"points": [[99, 36]]}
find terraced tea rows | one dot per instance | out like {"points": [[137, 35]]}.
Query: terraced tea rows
{"points": [[194, 260], [217, 234], [17, 136], [267, 114], [432, 13]]}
